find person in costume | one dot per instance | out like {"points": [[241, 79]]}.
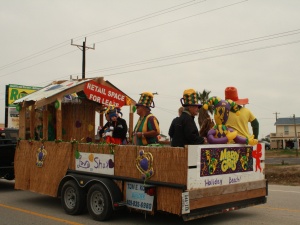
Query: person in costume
{"points": [[106, 125], [220, 133], [115, 129], [147, 128], [240, 123], [124, 124], [186, 131], [172, 127]]}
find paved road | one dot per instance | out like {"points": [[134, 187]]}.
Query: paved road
{"points": [[24, 208]]}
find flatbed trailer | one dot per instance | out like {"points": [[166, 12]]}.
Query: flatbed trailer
{"points": [[191, 182]]}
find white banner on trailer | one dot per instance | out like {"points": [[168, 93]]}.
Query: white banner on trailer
{"points": [[95, 163], [217, 165]]}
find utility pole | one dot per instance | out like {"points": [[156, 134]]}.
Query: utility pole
{"points": [[276, 114], [83, 46], [296, 138]]}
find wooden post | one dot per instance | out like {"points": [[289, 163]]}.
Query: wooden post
{"points": [[59, 121], [45, 122], [32, 122], [22, 123], [131, 122], [101, 119]]}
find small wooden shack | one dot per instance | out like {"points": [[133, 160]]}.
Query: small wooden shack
{"points": [[65, 110]]}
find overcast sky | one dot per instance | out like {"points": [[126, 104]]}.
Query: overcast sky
{"points": [[163, 46]]}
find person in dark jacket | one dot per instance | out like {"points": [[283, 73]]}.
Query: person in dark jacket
{"points": [[186, 131], [115, 129], [172, 127]]}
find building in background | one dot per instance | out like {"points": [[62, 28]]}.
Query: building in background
{"points": [[287, 133]]}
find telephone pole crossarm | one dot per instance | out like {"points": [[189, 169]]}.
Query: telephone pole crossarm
{"points": [[84, 47]]}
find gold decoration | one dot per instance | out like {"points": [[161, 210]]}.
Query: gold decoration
{"points": [[41, 154], [144, 163]]}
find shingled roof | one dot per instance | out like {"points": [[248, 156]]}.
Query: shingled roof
{"points": [[287, 121]]}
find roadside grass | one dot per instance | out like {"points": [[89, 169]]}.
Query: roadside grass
{"points": [[281, 153], [282, 174]]}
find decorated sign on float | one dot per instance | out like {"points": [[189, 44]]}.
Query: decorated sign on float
{"points": [[103, 94], [216, 161], [95, 162], [229, 164]]}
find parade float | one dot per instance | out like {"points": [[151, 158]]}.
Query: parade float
{"points": [[191, 182]]}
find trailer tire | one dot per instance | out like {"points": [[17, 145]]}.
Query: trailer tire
{"points": [[99, 203], [72, 198]]}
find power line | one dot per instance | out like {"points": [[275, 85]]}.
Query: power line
{"points": [[142, 18], [41, 52], [214, 48], [173, 21], [206, 58], [56, 57], [226, 45], [34, 55], [62, 44]]}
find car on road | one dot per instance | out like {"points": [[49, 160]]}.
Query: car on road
{"points": [[8, 141], [267, 145]]}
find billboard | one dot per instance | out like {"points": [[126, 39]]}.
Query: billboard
{"points": [[14, 92]]}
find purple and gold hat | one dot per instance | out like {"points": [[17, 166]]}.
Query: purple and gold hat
{"points": [[190, 98], [146, 99]]}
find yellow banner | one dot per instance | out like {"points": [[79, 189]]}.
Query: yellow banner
{"points": [[17, 91]]}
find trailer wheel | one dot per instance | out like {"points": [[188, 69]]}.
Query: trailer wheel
{"points": [[99, 203], [72, 198]]}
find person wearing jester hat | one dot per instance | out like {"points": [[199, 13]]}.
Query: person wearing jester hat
{"points": [[240, 123], [185, 129], [220, 133], [146, 129], [114, 131]]}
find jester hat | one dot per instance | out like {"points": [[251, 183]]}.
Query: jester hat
{"points": [[221, 108], [111, 110], [190, 98], [146, 99]]}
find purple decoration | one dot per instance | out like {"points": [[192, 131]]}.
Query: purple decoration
{"points": [[111, 164], [54, 87], [141, 153], [240, 140], [211, 139], [88, 139], [78, 124], [41, 154], [144, 164]]}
